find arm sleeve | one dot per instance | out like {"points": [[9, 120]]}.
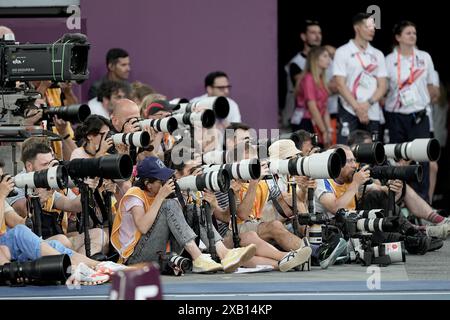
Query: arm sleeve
{"points": [[309, 88], [132, 202], [432, 77], [339, 64], [382, 73]]}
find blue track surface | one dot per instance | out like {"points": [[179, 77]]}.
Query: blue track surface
{"points": [[211, 290]]}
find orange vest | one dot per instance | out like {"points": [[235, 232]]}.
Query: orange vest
{"points": [[53, 97], [115, 233], [339, 190], [262, 194]]}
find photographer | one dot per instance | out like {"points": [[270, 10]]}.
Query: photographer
{"points": [[147, 218], [411, 200], [334, 194], [266, 254], [162, 141], [36, 156], [21, 244], [333, 246], [255, 212]]}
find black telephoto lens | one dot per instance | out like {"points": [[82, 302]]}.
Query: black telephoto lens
{"points": [[117, 166], [73, 113]]}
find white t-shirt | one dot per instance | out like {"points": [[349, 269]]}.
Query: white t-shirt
{"points": [[361, 70], [413, 95], [97, 108], [233, 116], [128, 227]]}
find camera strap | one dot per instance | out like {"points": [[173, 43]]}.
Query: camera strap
{"points": [[279, 209], [101, 205]]}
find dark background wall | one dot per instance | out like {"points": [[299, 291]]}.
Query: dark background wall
{"points": [[173, 44]]}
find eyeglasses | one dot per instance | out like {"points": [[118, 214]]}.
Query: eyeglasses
{"points": [[222, 87]]}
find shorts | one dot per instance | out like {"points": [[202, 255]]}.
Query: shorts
{"points": [[24, 245]]}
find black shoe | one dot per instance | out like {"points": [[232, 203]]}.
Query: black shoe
{"points": [[418, 244], [329, 252], [435, 244]]}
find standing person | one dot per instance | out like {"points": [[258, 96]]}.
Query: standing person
{"points": [[312, 95], [311, 36], [410, 73], [333, 97], [360, 73], [118, 65]]}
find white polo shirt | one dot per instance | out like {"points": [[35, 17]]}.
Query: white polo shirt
{"points": [[361, 70], [409, 92]]}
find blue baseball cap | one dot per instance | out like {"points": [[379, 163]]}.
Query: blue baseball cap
{"points": [[153, 167]]}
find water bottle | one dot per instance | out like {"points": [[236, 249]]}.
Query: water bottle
{"points": [[386, 136], [345, 129]]}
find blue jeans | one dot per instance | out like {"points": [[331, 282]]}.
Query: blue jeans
{"points": [[24, 245]]}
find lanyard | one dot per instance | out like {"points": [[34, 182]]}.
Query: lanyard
{"points": [[361, 62], [399, 69]]}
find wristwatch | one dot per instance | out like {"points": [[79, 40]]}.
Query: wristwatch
{"points": [[371, 102]]}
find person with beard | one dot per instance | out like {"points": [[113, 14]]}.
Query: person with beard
{"points": [[334, 194], [311, 36]]}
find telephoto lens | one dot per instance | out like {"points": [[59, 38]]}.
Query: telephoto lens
{"points": [[53, 178], [244, 170], [369, 153], [404, 173], [213, 181], [219, 105], [74, 113], [136, 139], [420, 150], [360, 214], [46, 270], [315, 166], [117, 166], [389, 224], [215, 157], [167, 125], [394, 250], [205, 118]]}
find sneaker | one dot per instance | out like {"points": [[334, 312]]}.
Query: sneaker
{"points": [[445, 221], [235, 257], [294, 259], [204, 263], [109, 267], [440, 231], [86, 276], [435, 244], [329, 252]]}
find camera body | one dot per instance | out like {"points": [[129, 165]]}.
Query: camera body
{"points": [[64, 60]]}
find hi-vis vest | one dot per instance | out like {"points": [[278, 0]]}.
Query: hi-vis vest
{"points": [[115, 233], [262, 194]]}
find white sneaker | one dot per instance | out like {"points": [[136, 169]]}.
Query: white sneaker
{"points": [[204, 263], [86, 276], [235, 257], [109, 267], [440, 231], [294, 259]]}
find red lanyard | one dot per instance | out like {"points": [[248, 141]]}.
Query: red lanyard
{"points": [[399, 69], [361, 62]]}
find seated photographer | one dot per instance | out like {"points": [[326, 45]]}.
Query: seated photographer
{"points": [[94, 140], [36, 156], [161, 141], [252, 200], [413, 202], [147, 219], [334, 194], [333, 246], [20, 244], [266, 254]]}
